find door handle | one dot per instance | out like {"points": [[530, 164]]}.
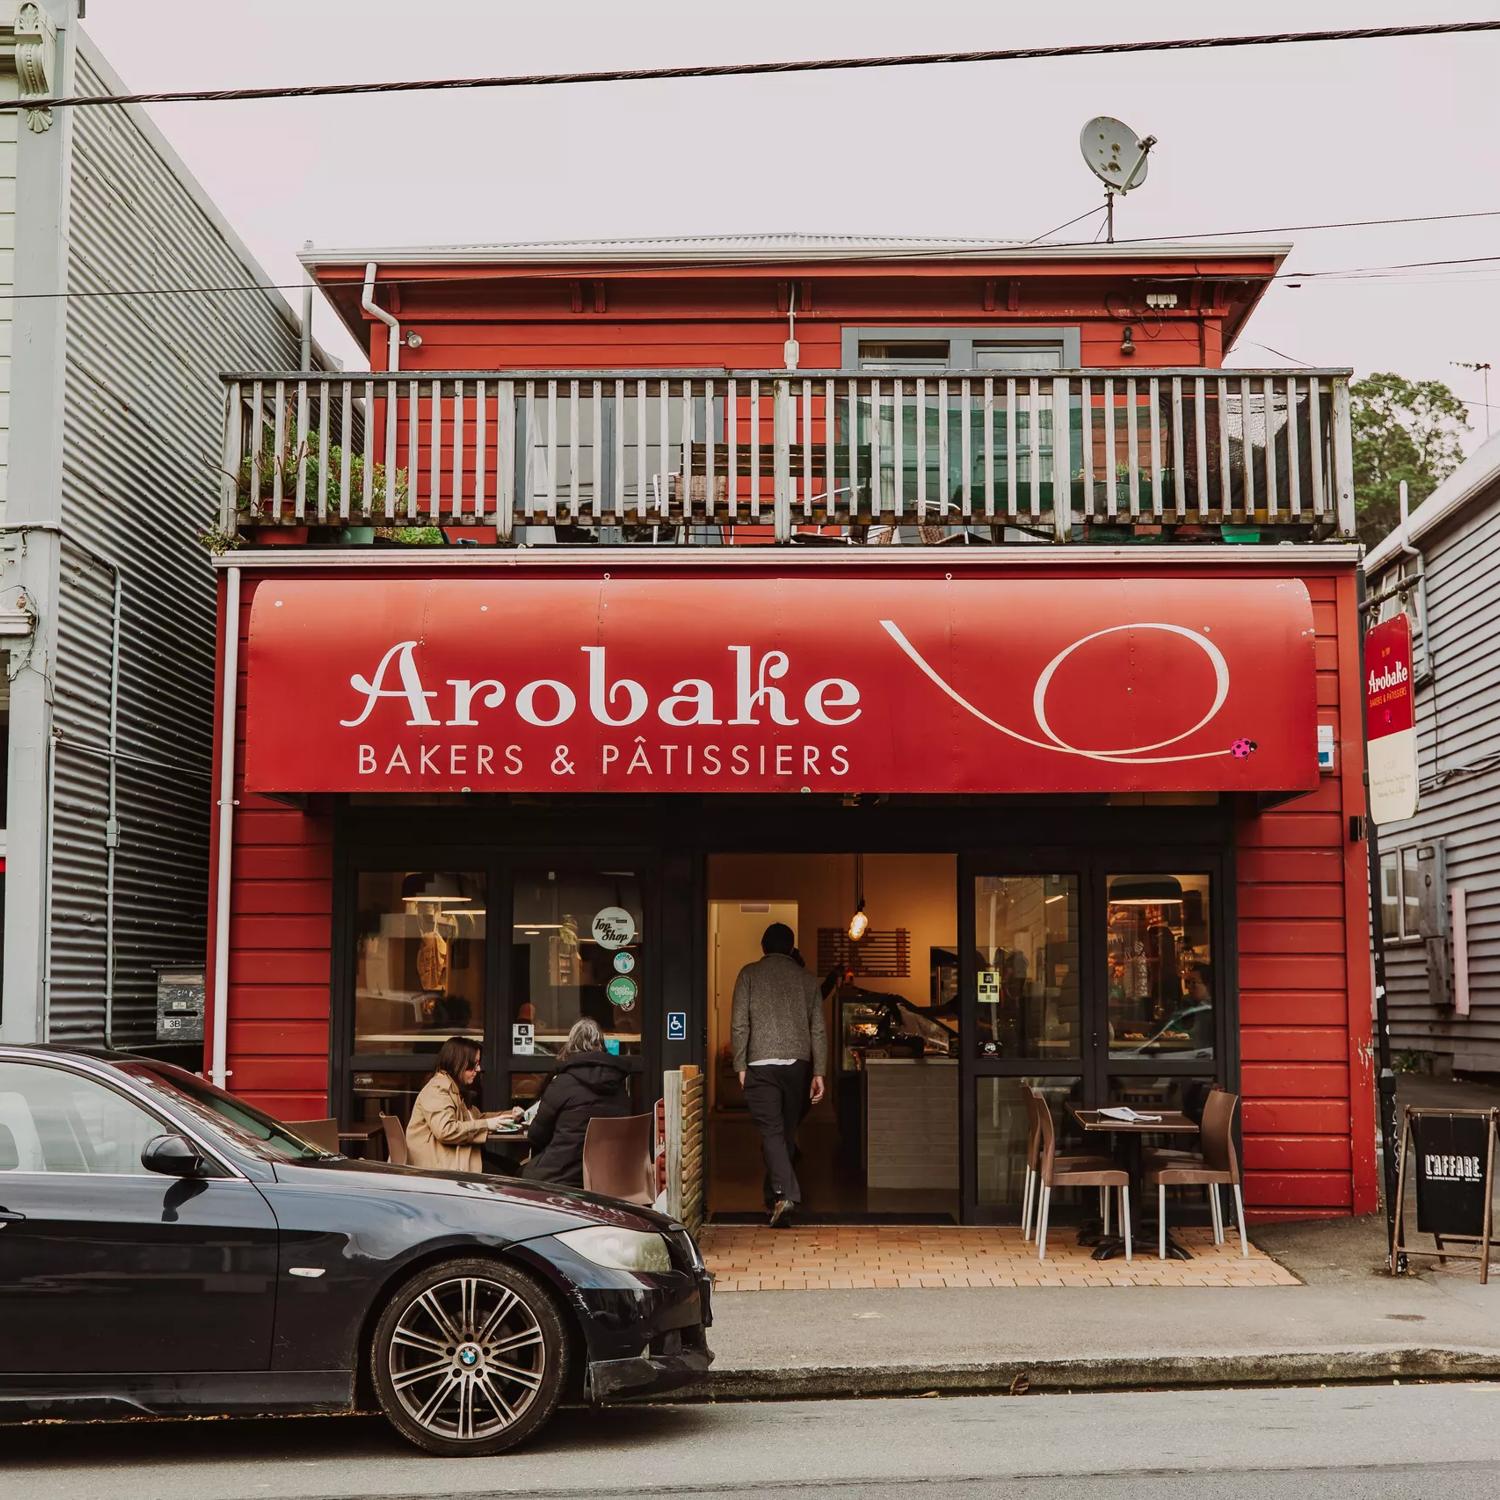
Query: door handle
{"points": [[8, 1217]]}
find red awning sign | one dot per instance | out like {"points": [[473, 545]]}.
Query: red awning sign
{"points": [[1391, 721], [781, 684]]}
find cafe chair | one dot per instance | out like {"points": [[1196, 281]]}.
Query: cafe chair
{"points": [[395, 1140], [1218, 1166], [322, 1133], [617, 1158], [1036, 1103], [1055, 1172]]}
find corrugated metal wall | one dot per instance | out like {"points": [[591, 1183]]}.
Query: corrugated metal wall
{"points": [[1458, 742], [141, 454]]}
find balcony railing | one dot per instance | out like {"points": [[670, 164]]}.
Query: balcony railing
{"points": [[661, 455]]}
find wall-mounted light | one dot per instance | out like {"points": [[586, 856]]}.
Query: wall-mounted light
{"points": [[859, 923], [1127, 340]]}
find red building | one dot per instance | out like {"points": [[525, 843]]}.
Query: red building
{"points": [[1020, 668]]}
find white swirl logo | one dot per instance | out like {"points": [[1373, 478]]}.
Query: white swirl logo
{"points": [[1128, 755]]}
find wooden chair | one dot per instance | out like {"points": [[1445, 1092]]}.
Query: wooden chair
{"points": [[1036, 1103], [395, 1140], [617, 1158], [1054, 1172], [322, 1133], [1217, 1166]]}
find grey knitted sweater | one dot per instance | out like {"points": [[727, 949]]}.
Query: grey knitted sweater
{"points": [[778, 1012]]}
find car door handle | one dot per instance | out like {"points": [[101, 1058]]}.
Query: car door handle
{"points": [[9, 1217]]}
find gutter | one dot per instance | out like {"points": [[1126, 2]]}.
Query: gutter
{"points": [[219, 1053], [367, 302]]}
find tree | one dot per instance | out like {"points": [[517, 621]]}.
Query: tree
{"points": [[1403, 429]]}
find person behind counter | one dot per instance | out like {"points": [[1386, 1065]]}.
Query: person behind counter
{"points": [[445, 1133], [588, 1083]]}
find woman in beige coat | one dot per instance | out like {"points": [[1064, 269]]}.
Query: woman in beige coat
{"points": [[444, 1133]]}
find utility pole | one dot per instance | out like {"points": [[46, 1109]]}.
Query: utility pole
{"points": [[1481, 368]]}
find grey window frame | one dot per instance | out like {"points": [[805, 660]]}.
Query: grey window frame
{"points": [[961, 340], [1398, 854]]}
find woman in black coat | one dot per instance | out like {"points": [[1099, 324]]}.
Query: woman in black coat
{"points": [[588, 1084]]}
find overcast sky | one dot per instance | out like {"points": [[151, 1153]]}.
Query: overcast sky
{"points": [[1252, 138]]}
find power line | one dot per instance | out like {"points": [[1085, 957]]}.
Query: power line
{"points": [[746, 70]]}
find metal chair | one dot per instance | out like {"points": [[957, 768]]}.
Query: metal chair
{"points": [[1218, 1165], [395, 1140], [617, 1158], [1054, 1172], [1036, 1102], [323, 1133]]}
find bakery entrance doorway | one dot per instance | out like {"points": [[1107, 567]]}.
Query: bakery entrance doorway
{"points": [[882, 1146]]}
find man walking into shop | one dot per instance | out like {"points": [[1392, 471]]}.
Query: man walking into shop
{"points": [[781, 1055]]}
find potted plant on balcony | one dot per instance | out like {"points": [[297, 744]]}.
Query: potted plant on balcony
{"points": [[256, 486]]}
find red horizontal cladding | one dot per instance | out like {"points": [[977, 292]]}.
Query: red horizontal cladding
{"points": [[1297, 1153], [277, 897], [1284, 1117], [287, 931], [1294, 1008], [1290, 935], [302, 967], [1266, 902], [1319, 1190], [303, 1075], [1291, 828], [1295, 1080], [281, 1002], [249, 1038], [1294, 1044], [1292, 1215], [305, 863], [283, 1105], [1307, 867]]}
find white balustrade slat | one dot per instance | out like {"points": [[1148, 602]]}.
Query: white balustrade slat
{"points": [[367, 489], [830, 424], [1293, 449], [528, 470], [1268, 396], [1247, 449], [458, 448], [1201, 459], [1153, 402], [505, 457], [944, 490], [687, 449], [481, 422], [1086, 432], [1034, 434], [390, 394], [1315, 449], [1226, 485], [664, 457], [755, 449], [708, 448], [853, 433], [1111, 468], [325, 416], [1062, 448], [1012, 458], [989, 446], [809, 494], [575, 479], [233, 458], [1179, 449], [596, 447], [413, 438], [877, 496], [304, 448], [1133, 445], [898, 445], [278, 418], [346, 457], [552, 485], [965, 447], [619, 495], [641, 449], [921, 449], [731, 448]]}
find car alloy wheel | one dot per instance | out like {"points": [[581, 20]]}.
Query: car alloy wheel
{"points": [[469, 1357]]}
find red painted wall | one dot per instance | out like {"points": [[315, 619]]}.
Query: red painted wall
{"points": [[1303, 974]]}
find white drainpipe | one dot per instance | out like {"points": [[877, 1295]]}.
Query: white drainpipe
{"points": [[367, 301], [219, 1056]]}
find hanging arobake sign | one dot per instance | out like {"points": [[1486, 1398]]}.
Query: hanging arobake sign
{"points": [[1391, 721], [785, 684]]}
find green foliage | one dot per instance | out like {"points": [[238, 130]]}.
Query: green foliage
{"points": [[286, 462], [1403, 429]]}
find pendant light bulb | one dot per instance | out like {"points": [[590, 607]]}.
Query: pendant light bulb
{"points": [[859, 923]]}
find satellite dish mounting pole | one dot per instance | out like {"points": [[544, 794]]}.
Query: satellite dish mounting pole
{"points": [[1109, 215]]}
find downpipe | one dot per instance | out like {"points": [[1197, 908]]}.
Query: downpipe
{"points": [[368, 304], [219, 1048]]}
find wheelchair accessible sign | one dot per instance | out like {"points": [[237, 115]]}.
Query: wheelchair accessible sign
{"points": [[677, 1026]]}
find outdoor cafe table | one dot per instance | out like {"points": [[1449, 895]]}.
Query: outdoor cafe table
{"points": [[1131, 1132]]}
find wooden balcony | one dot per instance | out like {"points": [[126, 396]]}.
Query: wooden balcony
{"points": [[695, 456]]}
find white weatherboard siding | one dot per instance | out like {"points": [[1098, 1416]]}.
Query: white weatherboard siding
{"points": [[140, 451], [1458, 739]]}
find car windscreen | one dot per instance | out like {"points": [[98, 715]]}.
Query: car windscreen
{"points": [[213, 1107]]}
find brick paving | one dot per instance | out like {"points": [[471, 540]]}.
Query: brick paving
{"points": [[832, 1258]]}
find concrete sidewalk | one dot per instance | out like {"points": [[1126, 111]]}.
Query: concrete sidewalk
{"points": [[1348, 1321]]}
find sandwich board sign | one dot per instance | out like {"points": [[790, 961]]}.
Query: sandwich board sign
{"points": [[1449, 1156]]}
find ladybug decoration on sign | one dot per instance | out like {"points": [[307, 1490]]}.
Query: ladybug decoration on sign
{"points": [[1243, 749]]}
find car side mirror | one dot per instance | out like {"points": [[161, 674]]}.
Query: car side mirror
{"points": [[172, 1156]]}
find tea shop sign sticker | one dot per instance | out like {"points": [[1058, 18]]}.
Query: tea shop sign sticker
{"points": [[989, 986], [523, 1039], [614, 927]]}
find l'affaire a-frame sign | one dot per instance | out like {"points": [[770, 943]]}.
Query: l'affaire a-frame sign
{"points": [[1449, 1154]]}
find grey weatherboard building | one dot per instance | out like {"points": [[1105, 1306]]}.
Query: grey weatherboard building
{"points": [[1440, 871], [110, 423]]}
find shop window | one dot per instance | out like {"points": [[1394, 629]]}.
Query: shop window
{"points": [[1026, 966], [577, 943], [419, 960], [377, 1094], [1411, 894], [1402, 887], [54, 1121], [1003, 1129], [1161, 990], [1390, 895]]}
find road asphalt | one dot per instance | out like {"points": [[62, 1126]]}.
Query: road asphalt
{"points": [[1394, 1442]]}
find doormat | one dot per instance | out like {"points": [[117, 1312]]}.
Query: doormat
{"points": [[810, 1218]]}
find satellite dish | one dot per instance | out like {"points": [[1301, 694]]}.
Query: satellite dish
{"points": [[1115, 154]]}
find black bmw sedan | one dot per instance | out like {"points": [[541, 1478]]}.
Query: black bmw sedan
{"points": [[167, 1248]]}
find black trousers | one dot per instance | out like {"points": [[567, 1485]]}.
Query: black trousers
{"points": [[777, 1099]]}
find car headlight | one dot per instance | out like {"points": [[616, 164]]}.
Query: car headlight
{"points": [[620, 1249]]}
